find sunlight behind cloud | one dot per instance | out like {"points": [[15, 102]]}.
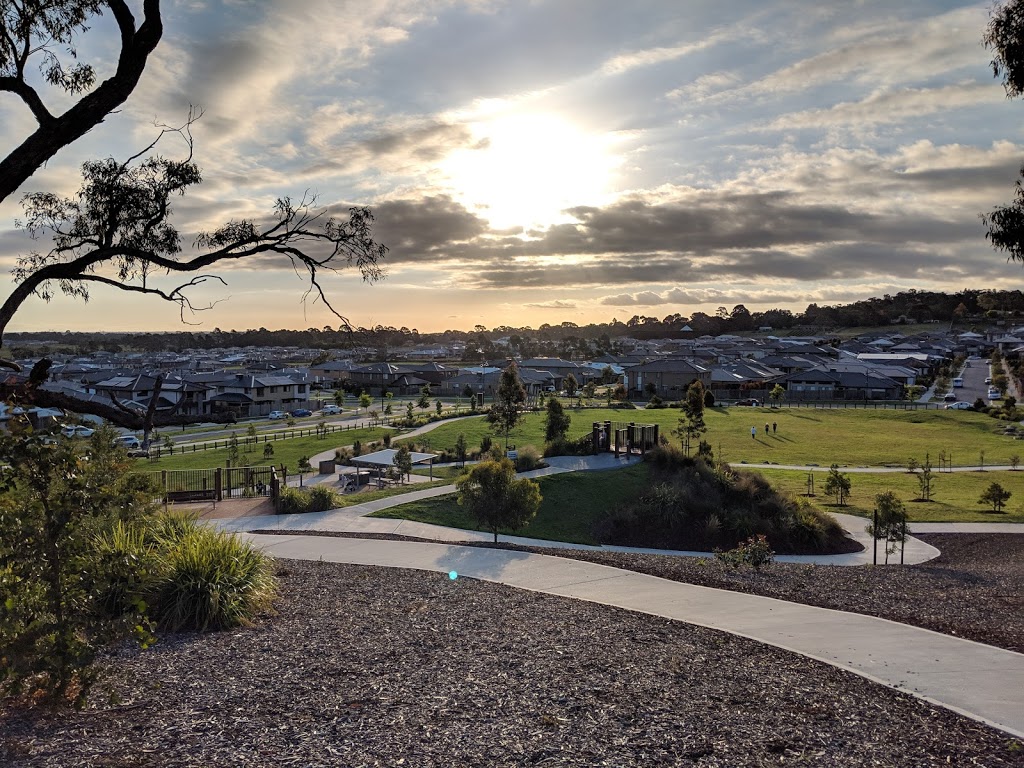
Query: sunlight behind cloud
{"points": [[526, 169]]}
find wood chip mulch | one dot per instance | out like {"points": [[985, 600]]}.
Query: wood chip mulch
{"points": [[371, 666], [974, 590]]}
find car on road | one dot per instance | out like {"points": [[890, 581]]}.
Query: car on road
{"points": [[277, 415], [77, 430], [988, 379], [302, 412], [959, 406], [993, 393], [949, 397], [331, 410], [749, 401]]}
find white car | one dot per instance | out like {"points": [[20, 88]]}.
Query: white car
{"points": [[959, 406], [77, 430], [277, 415], [130, 442], [331, 410], [993, 393]]}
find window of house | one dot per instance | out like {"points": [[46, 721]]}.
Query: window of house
{"points": [[259, 392]]}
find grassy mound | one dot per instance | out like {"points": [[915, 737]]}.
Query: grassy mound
{"points": [[692, 506]]}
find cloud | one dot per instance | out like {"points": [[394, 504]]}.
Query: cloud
{"points": [[891, 107], [557, 304]]}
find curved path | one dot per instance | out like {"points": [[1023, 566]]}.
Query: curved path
{"points": [[979, 681], [354, 519]]}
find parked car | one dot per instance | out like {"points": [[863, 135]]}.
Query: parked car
{"points": [[988, 379], [302, 412], [130, 442], [277, 415], [993, 393], [748, 401], [331, 410], [959, 406], [77, 430], [949, 397]]}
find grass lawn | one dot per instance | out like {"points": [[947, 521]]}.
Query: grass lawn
{"points": [[572, 504], [954, 494], [442, 473], [286, 452], [857, 437]]}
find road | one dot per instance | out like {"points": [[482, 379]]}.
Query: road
{"points": [[974, 373]]}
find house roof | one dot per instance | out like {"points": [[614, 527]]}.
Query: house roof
{"points": [[670, 365], [386, 458]]}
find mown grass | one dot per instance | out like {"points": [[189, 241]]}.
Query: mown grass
{"points": [[572, 504], [954, 494], [858, 437], [286, 452], [441, 473]]}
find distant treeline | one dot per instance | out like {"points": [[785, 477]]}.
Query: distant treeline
{"points": [[567, 339]]}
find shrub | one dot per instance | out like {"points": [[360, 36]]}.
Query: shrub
{"points": [[528, 458], [321, 499], [212, 581], [693, 505], [582, 446], [754, 552], [318, 498], [485, 444]]}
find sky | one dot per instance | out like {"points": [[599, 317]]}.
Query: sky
{"points": [[550, 161]]}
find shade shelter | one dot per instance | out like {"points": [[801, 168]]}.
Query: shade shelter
{"points": [[381, 460]]}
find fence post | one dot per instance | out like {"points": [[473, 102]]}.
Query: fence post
{"points": [[218, 485]]}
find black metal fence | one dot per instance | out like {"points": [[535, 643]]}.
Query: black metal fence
{"points": [[156, 451], [217, 484]]}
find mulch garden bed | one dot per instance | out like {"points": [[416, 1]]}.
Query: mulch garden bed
{"points": [[383, 667]]}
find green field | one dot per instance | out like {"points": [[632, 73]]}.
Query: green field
{"points": [[856, 437], [954, 494], [572, 504], [286, 452]]}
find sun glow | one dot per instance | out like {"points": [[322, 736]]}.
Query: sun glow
{"points": [[526, 169]]}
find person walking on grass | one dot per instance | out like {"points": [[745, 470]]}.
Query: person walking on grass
{"points": [[753, 433], [766, 429], [775, 427]]}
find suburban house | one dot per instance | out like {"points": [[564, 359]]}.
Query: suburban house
{"points": [[332, 372], [670, 376], [250, 395], [820, 384], [175, 393]]}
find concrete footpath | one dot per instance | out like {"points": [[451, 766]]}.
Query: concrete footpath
{"points": [[979, 681]]}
